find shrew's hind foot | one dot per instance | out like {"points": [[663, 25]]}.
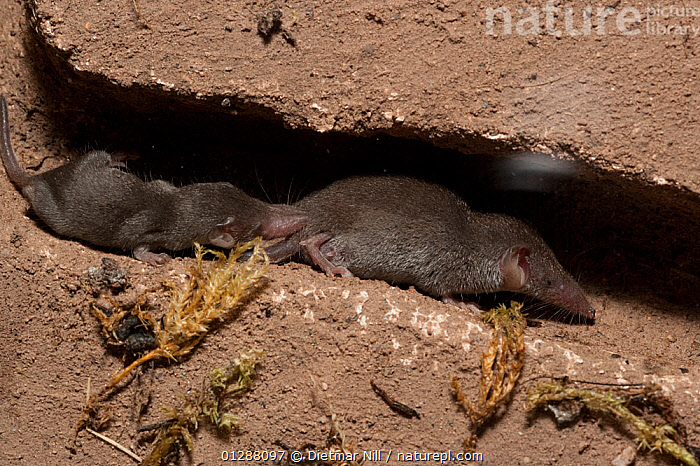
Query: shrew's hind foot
{"points": [[143, 254], [313, 247]]}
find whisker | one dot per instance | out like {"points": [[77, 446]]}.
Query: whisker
{"points": [[289, 191], [257, 177], [585, 251]]}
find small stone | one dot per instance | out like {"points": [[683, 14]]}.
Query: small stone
{"points": [[626, 458]]}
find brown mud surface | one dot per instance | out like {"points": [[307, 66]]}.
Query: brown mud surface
{"points": [[415, 81]]}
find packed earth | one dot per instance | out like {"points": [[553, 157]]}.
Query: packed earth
{"points": [[591, 139]]}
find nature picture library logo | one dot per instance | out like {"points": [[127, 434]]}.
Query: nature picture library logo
{"points": [[661, 20]]}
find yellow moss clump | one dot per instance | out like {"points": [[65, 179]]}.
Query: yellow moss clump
{"points": [[663, 438], [204, 298], [501, 365]]}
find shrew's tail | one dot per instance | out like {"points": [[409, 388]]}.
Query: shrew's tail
{"points": [[14, 170]]}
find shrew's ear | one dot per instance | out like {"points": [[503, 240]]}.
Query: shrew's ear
{"points": [[515, 268], [221, 236]]}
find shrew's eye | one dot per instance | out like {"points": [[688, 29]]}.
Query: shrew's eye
{"points": [[549, 282]]}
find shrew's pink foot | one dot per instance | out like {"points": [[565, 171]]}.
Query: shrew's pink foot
{"points": [[313, 247], [143, 254], [467, 305]]}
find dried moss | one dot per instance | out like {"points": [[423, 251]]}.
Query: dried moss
{"points": [[501, 365], [211, 403], [204, 298], [662, 438]]}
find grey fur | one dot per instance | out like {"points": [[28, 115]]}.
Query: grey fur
{"points": [[407, 231], [91, 199]]}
